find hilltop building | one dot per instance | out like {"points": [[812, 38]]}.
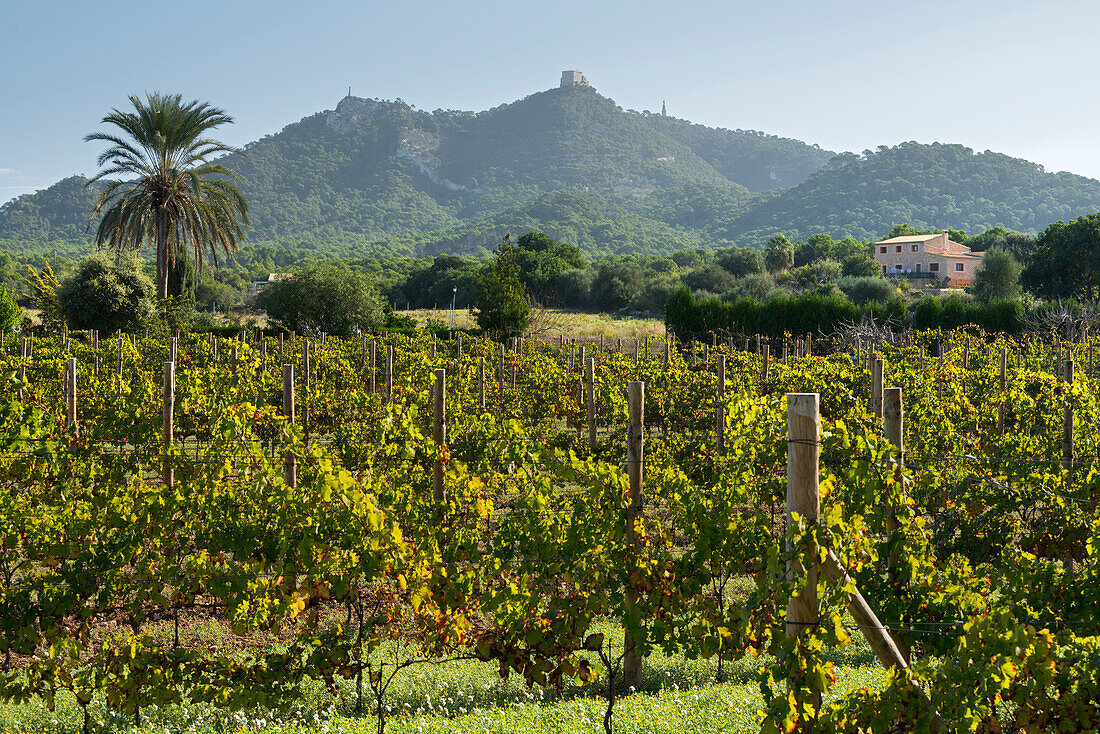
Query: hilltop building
{"points": [[573, 79], [928, 257]]}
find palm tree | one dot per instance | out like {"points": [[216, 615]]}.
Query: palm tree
{"points": [[170, 194]]}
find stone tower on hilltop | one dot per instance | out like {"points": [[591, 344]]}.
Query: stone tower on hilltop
{"points": [[573, 79]]}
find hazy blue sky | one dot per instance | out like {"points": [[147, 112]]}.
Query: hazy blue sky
{"points": [[1016, 76]]}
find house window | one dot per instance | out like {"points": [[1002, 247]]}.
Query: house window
{"points": [[958, 267], [916, 248], [897, 248], [916, 268], [884, 267], [898, 269], [882, 250], [933, 267]]}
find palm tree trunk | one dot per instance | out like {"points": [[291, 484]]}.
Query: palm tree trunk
{"points": [[162, 259]]}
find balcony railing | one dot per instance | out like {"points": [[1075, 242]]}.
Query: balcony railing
{"points": [[923, 275]]}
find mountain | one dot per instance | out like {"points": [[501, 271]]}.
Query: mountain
{"points": [[929, 186], [377, 177]]}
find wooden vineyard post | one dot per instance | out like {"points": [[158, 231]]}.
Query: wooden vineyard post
{"points": [[635, 396], [173, 346], [720, 410], [481, 382], [1001, 402], [373, 366], [1067, 418], [290, 462], [939, 376], [118, 366], [666, 354], [590, 402], [876, 387], [70, 392], [439, 435], [233, 359], [389, 372], [893, 419], [764, 364], [168, 405], [635, 352], [280, 346], [803, 499], [431, 352], [305, 389], [24, 352]]}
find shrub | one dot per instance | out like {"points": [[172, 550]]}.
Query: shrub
{"points": [[863, 289], [325, 297], [106, 294]]}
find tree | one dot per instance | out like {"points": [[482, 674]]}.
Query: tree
{"points": [[741, 261], [10, 313], [817, 247], [1066, 263], [170, 194], [779, 254], [45, 287], [997, 277], [864, 289], [861, 265], [711, 278], [106, 294], [503, 308], [541, 259], [325, 297], [573, 288]]}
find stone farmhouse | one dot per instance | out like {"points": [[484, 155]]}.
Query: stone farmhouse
{"points": [[927, 257]]}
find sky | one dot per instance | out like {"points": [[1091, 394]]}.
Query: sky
{"points": [[1014, 76]]}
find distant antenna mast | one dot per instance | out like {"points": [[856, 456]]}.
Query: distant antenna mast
{"points": [[349, 90], [663, 112]]}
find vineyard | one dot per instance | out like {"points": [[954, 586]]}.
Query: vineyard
{"points": [[354, 509]]}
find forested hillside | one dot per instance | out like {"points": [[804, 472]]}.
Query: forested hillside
{"points": [[929, 186], [373, 178]]}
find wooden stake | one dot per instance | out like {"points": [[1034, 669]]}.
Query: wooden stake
{"points": [[803, 499], [439, 435], [876, 388], [720, 410], [168, 406], [1067, 419], [373, 366], [290, 462], [481, 381], [893, 414], [590, 401], [389, 372], [632, 659], [70, 391]]}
